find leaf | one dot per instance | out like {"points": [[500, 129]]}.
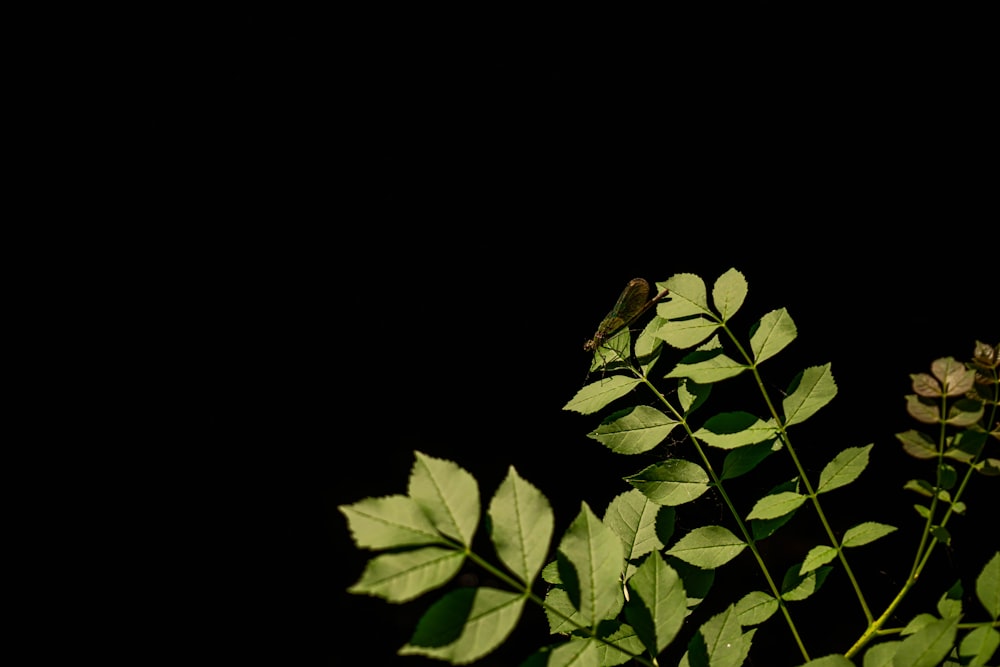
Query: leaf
{"points": [[686, 333], [978, 646], [688, 296], [928, 646], [763, 528], [721, 638], [988, 586], [728, 293], [819, 555], [843, 469], [955, 378], [810, 390], [729, 430], [917, 445], [521, 525], [950, 602], [920, 486], [598, 394], [706, 367], [465, 624], [658, 605], [964, 412], [692, 395], [561, 613], [922, 410], [447, 494], [948, 476], [575, 653], [402, 576], [925, 385], [755, 607], [621, 635], [771, 334], [594, 553], [796, 586], [743, 460], [863, 533], [389, 522], [671, 482], [707, 547], [917, 622], [633, 430], [880, 655], [941, 534], [833, 660], [775, 505], [633, 518]]}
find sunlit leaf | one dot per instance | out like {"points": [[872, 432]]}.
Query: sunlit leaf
{"points": [[465, 624], [950, 602], [688, 296], [918, 622], [955, 378], [692, 395], [922, 409], [928, 646], [818, 555], [658, 604], [706, 367], [866, 532], [775, 505], [763, 528], [978, 646], [880, 655], [671, 482], [925, 385], [729, 430], [917, 444], [633, 517], [596, 395], [576, 652], [843, 469], [988, 586], [707, 547], [832, 660], [561, 613], [389, 522], [686, 333], [594, 553], [756, 607], [521, 525], [723, 638], [796, 586], [402, 576], [634, 430], [809, 391], [729, 292], [447, 494], [771, 334], [964, 412]]}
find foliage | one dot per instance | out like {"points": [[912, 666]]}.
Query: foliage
{"points": [[620, 587]]}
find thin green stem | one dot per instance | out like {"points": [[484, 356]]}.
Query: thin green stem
{"points": [[810, 491], [717, 481]]}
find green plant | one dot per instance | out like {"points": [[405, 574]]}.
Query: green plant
{"points": [[621, 586]]}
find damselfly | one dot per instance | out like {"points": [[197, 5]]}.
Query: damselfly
{"points": [[633, 302]]}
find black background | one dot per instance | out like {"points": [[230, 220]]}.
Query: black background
{"points": [[464, 211]]}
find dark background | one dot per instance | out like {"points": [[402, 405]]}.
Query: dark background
{"points": [[476, 206]]}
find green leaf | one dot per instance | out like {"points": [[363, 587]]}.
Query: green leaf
{"points": [[988, 586], [922, 510], [917, 445], [880, 655], [796, 586], [389, 522], [810, 390], [755, 607], [775, 505], [728, 293], [402, 576], [561, 613], [920, 486], [692, 395], [686, 333], [763, 528], [621, 635], [719, 642], [844, 468], [921, 409], [743, 460], [574, 653], [465, 624], [964, 412], [978, 646], [594, 553], [707, 547], [729, 430], [819, 555], [598, 394], [917, 622], [633, 430], [706, 367], [521, 525], [928, 646], [948, 476], [447, 494], [658, 604], [688, 296], [866, 532], [771, 334], [955, 378], [671, 482], [941, 534], [950, 602], [833, 660], [633, 518]]}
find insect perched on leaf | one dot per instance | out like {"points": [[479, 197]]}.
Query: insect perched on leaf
{"points": [[633, 302]]}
